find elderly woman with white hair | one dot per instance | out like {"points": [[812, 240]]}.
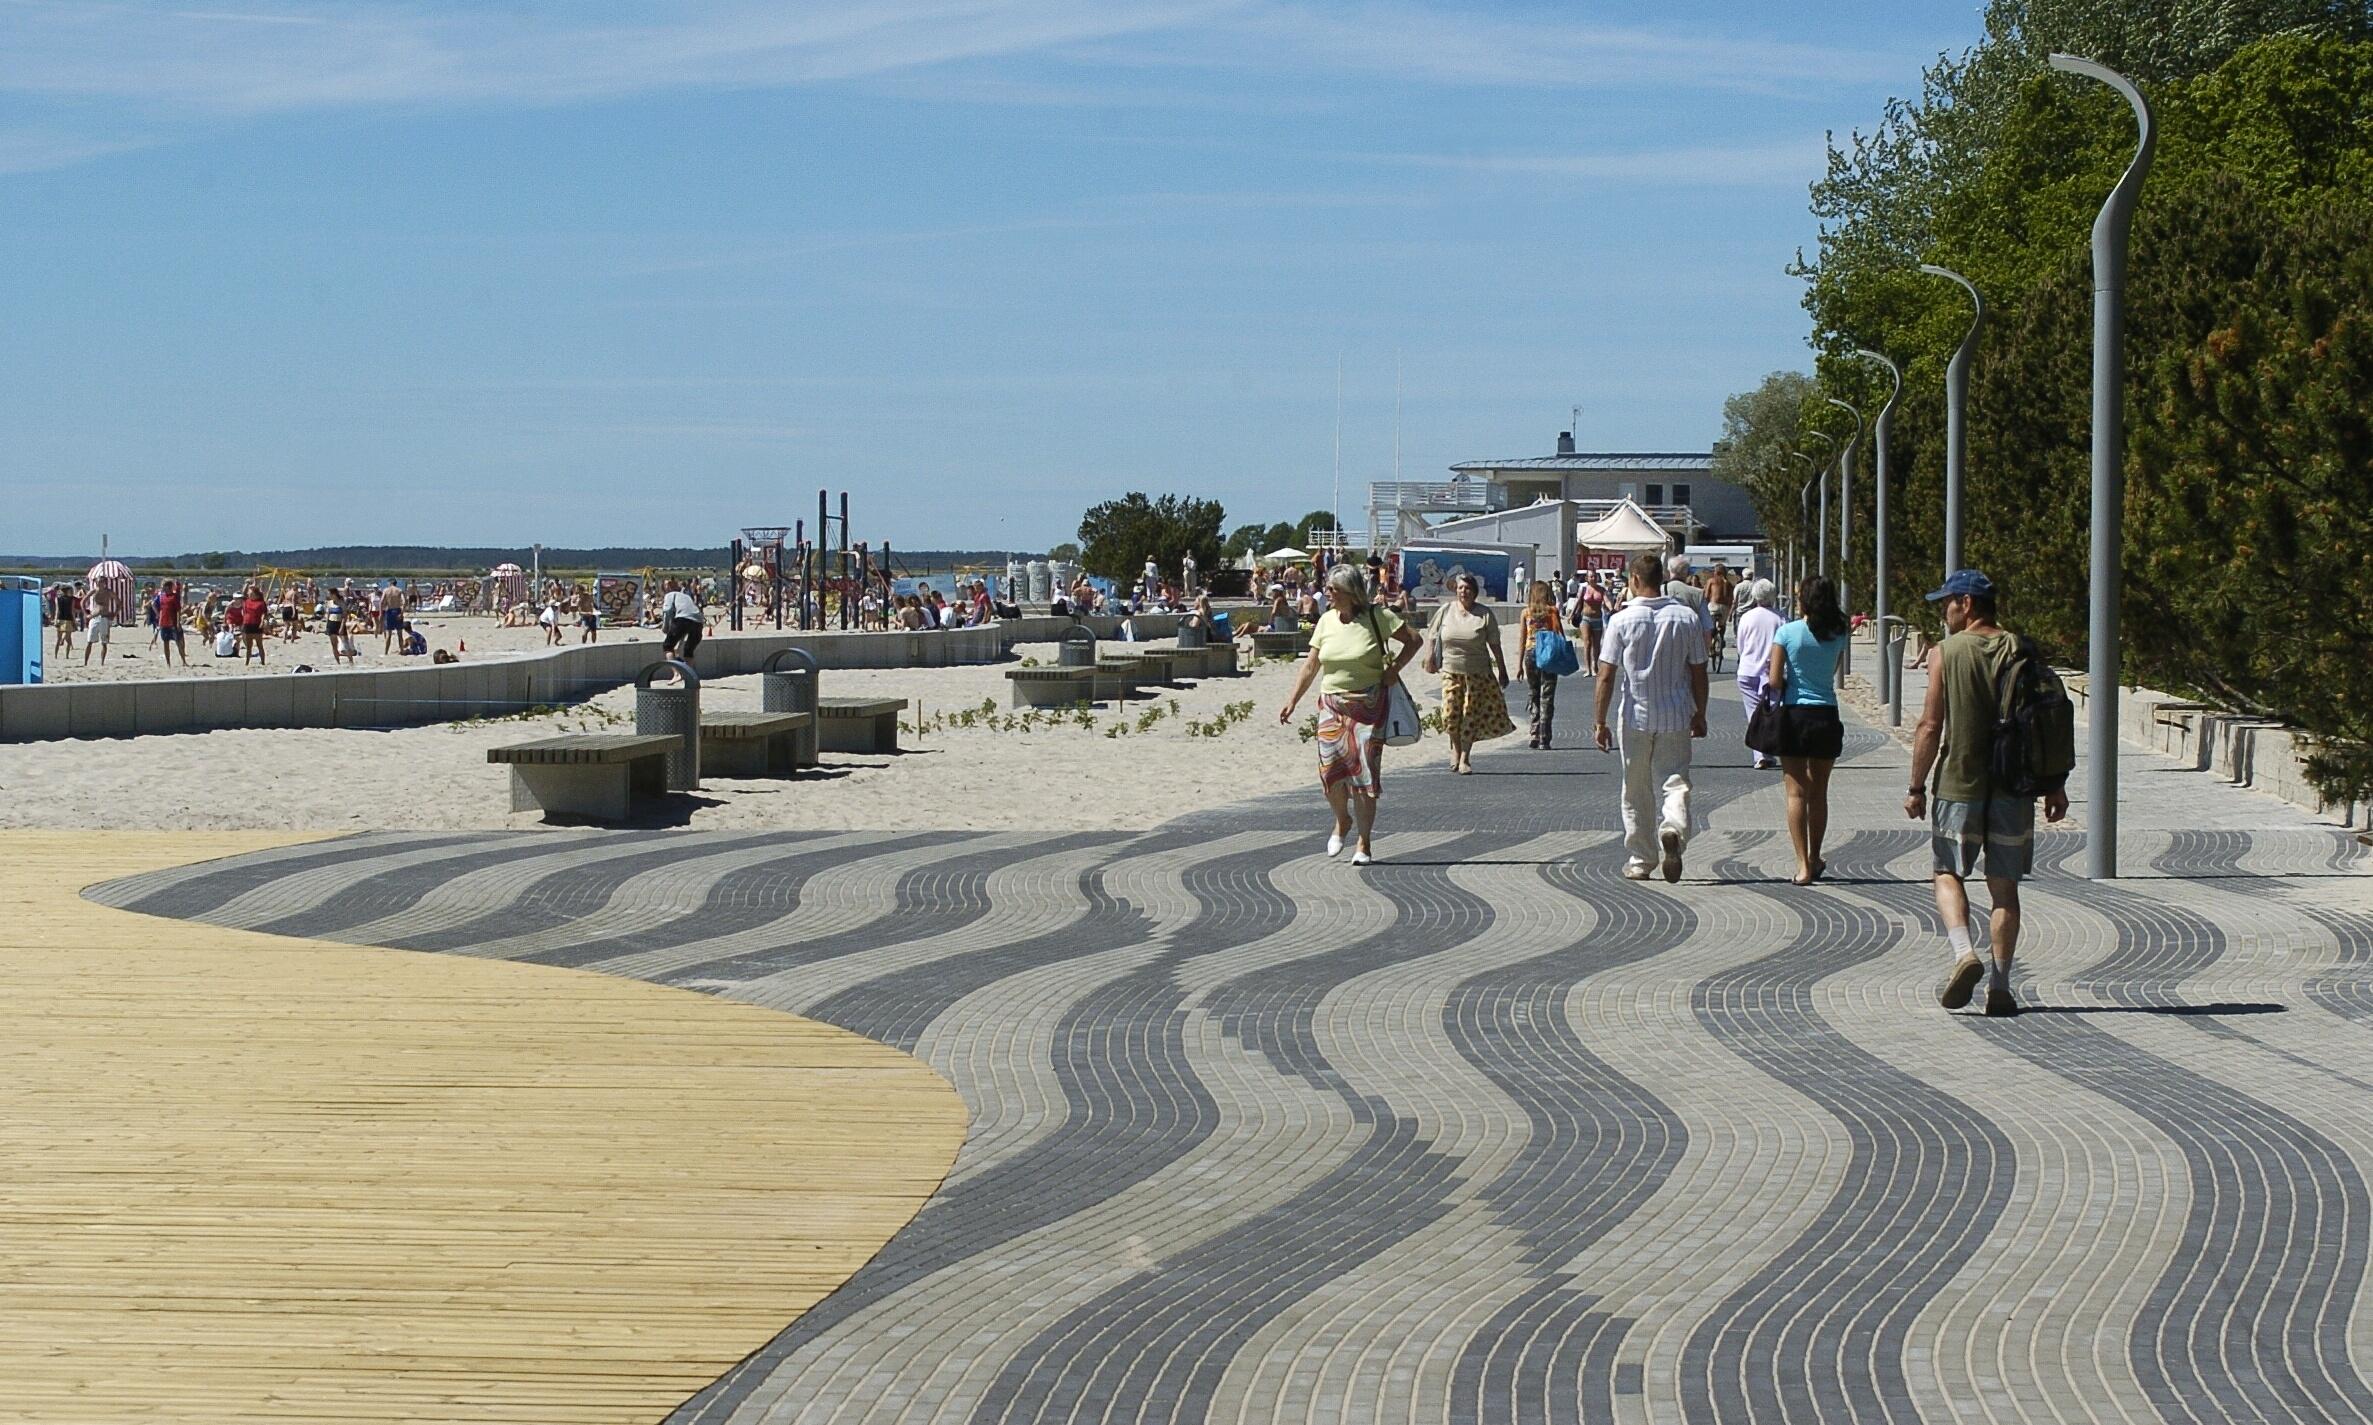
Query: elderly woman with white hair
{"points": [[1357, 651], [1756, 628]]}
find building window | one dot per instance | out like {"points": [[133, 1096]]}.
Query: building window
{"points": [[1655, 495], [1680, 494]]}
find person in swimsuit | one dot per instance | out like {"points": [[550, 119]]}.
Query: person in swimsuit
{"points": [[391, 617], [588, 618]]}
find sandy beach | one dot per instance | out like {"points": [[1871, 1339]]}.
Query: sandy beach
{"points": [[478, 637], [1128, 769]]}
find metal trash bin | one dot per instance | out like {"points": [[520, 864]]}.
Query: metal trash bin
{"points": [[792, 689], [672, 712], [1077, 648], [1191, 633]]}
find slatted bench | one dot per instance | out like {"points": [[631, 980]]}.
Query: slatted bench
{"points": [[1275, 643], [1118, 679], [1162, 666], [746, 744], [858, 724], [599, 776], [1052, 687]]}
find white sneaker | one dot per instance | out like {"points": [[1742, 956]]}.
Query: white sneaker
{"points": [[1334, 845], [1361, 858]]}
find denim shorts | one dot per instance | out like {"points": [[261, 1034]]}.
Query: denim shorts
{"points": [[2001, 828]]}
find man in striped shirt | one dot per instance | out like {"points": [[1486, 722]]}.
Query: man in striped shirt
{"points": [[1654, 656]]}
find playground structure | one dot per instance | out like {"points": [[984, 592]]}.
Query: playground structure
{"points": [[774, 571]]}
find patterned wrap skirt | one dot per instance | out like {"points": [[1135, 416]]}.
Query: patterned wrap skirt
{"points": [[1351, 740], [1473, 708]]}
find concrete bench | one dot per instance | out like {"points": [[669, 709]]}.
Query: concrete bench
{"points": [[858, 724], [1118, 679], [599, 776], [1052, 687], [1270, 643], [759, 744], [1212, 660], [1165, 667]]}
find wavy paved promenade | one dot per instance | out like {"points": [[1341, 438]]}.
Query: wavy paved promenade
{"points": [[1490, 1134]]}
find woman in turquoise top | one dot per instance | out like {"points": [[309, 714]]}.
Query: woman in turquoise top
{"points": [[1803, 675]]}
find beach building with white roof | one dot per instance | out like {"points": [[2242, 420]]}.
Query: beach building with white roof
{"points": [[1538, 502]]}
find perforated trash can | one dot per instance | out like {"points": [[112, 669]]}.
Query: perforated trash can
{"points": [[672, 711], [1077, 648], [1191, 633], [787, 683]]}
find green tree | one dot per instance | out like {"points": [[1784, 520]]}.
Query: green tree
{"points": [[1118, 536], [1308, 524], [1245, 541], [1066, 552]]}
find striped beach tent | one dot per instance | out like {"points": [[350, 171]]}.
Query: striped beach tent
{"points": [[116, 580]]}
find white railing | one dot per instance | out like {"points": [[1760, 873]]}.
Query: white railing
{"points": [[1445, 496]]}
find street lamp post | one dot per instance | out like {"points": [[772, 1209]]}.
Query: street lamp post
{"points": [[1845, 527], [2110, 235], [1890, 667], [1820, 526], [1957, 415], [1804, 508]]}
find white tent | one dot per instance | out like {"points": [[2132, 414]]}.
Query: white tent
{"points": [[1287, 554], [1626, 529]]}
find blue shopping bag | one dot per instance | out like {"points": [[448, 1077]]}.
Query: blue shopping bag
{"points": [[1553, 653]]}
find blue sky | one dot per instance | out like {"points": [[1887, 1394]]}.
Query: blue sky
{"points": [[594, 273]]}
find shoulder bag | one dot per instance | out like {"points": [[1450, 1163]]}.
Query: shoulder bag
{"points": [[1401, 725]]}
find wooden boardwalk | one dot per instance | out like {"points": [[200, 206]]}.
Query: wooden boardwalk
{"points": [[246, 1177]]}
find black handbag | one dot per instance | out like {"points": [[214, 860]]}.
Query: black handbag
{"points": [[1763, 729]]}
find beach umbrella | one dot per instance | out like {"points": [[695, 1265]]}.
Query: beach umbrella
{"points": [[112, 576], [1287, 553]]}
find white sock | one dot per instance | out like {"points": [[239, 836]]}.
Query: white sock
{"points": [[1958, 937]]}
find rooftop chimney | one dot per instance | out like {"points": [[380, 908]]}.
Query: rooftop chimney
{"points": [[1565, 442]]}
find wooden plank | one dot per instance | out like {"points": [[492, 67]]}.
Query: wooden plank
{"points": [[587, 749], [859, 707], [736, 726], [255, 1178]]}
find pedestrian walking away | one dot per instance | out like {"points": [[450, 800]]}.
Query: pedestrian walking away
{"points": [[1801, 671], [1981, 806], [1474, 671], [1540, 616], [1756, 627], [1653, 671], [1355, 661], [1681, 589]]}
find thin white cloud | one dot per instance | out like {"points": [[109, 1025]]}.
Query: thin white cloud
{"points": [[370, 52], [1787, 164], [1434, 44], [38, 150]]}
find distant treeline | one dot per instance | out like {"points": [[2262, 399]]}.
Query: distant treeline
{"points": [[423, 559]]}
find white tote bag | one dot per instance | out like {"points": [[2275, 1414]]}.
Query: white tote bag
{"points": [[1401, 727]]}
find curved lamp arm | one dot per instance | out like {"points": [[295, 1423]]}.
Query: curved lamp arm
{"points": [[1976, 302], [1892, 370], [2117, 215]]}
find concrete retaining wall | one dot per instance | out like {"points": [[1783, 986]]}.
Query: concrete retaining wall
{"points": [[2246, 751], [430, 692]]}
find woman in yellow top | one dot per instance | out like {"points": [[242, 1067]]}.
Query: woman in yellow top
{"points": [[1354, 662], [1474, 671]]}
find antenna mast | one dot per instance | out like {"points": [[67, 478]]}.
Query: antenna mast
{"points": [[1338, 507]]}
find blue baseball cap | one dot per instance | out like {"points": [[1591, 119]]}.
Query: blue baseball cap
{"points": [[1964, 582]]}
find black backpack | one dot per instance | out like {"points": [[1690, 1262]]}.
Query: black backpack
{"points": [[2034, 727]]}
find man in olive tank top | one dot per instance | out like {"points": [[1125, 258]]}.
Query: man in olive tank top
{"points": [[1971, 822]]}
